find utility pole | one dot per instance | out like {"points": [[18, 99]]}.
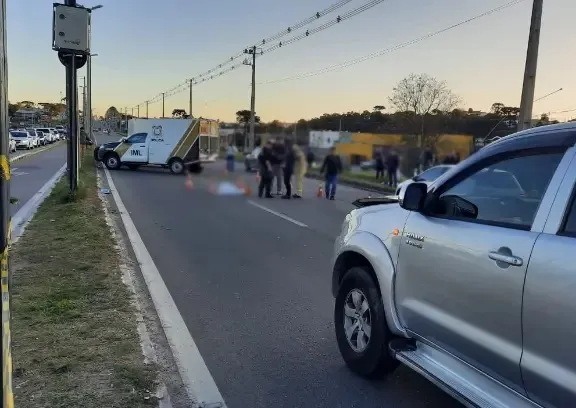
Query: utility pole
{"points": [[138, 111], [527, 99], [163, 104], [190, 107], [132, 112], [6, 357], [147, 109], [253, 50], [84, 120], [126, 119]]}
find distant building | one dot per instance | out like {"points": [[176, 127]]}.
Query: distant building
{"points": [[28, 114]]}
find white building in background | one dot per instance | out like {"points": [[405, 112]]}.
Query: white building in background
{"points": [[325, 139]]}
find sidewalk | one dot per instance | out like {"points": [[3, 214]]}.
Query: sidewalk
{"points": [[74, 331]]}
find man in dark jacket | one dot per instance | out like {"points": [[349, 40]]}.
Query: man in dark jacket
{"points": [[278, 152], [331, 167], [265, 159], [392, 163], [289, 162]]}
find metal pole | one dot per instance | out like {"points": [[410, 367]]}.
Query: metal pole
{"points": [[72, 97], [88, 128], [138, 114], [190, 107], [126, 119], [146, 109], [163, 105], [527, 99], [132, 112], [84, 120], [6, 358], [253, 101]]}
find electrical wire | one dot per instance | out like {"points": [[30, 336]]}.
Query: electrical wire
{"points": [[197, 80], [390, 49], [212, 73]]}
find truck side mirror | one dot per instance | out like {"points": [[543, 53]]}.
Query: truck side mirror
{"points": [[414, 197]]}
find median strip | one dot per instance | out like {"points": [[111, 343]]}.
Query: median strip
{"points": [[34, 152], [75, 339]]}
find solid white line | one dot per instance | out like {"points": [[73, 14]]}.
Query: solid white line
{"points": [[277, 214], [195, 375], [27, 211]]}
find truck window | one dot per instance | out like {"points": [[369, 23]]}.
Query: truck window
{"points": [[507, 193], [137, 138]]}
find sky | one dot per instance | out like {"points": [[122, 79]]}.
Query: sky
{"points": [[146, 47]]}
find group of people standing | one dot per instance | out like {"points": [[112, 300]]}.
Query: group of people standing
{"points": [[390, 163], [281, 160]]}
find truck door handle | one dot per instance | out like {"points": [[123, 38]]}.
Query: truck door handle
{"points": [[142, 146], [508, 259]]}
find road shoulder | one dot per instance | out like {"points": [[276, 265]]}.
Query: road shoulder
{"points": [[75, 338]]}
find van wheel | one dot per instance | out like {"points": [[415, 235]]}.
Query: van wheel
{"points": [[176, 166], [112, 161], [361, 329]]}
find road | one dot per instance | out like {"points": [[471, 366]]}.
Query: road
{"points": [[29, 174], [254, 291]]}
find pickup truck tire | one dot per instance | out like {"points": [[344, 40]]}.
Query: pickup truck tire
{"points": [[176, 166], [112, 161], [368, 357]]}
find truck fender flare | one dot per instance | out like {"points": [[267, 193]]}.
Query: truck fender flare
{"points": [[376, 254]]}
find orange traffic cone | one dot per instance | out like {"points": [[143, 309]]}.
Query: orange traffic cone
{"points": [[213, 188], [189, 184], [258, 176], [320, 192]]}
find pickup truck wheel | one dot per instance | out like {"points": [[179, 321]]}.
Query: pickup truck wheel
{"points": [[361, 328], [112, 161], [176, 166]]}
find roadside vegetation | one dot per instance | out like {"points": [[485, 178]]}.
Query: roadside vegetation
{"points": [[75, 342]]}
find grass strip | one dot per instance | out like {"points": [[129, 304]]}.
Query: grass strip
{"points": [[75, 342]]}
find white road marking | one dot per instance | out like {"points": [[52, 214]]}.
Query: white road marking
{"points": [[195, 375], [27, 211], [277, 214]]}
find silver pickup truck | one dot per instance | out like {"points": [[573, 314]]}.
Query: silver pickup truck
{"points": [[470, 281]]}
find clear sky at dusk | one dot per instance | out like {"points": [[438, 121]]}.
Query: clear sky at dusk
{"points": [[146, 47]]}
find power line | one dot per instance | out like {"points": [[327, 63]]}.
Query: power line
{"points": [[210, 73], [390, 49]]}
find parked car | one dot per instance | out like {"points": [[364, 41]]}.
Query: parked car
{"points": [[35, 138], [55, 134], [251, 160], [47, 134], [469, 280], [23, 139], [43, 138], [427, 176], [12, 144], [368, 165]]}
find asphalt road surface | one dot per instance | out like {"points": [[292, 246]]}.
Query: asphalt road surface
{"points": [[30, 173], [251, 278]]}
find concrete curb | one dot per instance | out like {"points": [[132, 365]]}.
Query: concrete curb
{"points": [[34, 152]]}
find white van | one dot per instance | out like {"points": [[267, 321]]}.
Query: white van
{"points": [[170, 143]]}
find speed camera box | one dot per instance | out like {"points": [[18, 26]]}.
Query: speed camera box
{"points": [[71, 29]]}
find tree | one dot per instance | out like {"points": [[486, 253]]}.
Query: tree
{"points": [[12, 108], [180, 113], [496, 108], [378, 108], [25, 105], [274, 127], [420, 95], [243, 117]]}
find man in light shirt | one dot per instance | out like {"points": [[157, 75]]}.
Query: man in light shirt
{"points": [[230, 156]]}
